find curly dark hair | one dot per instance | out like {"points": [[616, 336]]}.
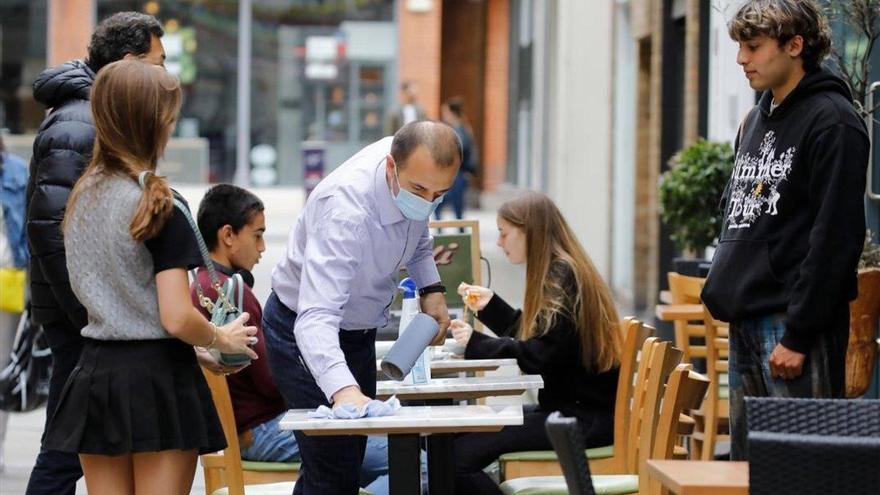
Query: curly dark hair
{"points": [[783, 20], [120, 34]]}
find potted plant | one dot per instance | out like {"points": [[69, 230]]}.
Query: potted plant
{"points": [[864, 311], [689, 194]]}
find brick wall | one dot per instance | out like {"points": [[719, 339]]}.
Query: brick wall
{"points": [[419, 48], [70, 27], [494, 146]]}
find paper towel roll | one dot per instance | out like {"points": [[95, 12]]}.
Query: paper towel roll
{"points": [[409, 346]]}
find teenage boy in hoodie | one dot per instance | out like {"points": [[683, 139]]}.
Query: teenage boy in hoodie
{"points": [[794, 219]]}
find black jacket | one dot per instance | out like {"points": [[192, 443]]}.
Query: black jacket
{"points": [[556, 356], [794, 214], [61, 151]]}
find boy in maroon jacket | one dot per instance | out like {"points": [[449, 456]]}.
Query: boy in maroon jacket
{"points": [[232, 222]]}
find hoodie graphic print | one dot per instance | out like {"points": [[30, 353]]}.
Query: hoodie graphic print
{"points": [[755, 183]]}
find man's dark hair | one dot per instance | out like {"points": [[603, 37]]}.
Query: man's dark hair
{"points": [[783, 20], [441, 140], [120, 34], [225, 204]]}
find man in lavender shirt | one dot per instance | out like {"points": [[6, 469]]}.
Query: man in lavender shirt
{"points": [[361, 225]]}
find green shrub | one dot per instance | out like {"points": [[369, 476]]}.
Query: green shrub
{"points": [[691, 190]]}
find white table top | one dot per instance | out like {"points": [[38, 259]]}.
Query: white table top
{"points": [[460, 388], [457, 365], [421, 419], [441, 365]]}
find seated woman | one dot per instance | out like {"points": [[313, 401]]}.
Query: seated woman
{"points": [[568, 332]]}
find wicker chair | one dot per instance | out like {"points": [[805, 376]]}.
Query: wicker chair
{"points": [[813, 446]]}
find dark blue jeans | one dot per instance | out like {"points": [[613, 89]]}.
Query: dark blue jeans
{"points": [[330, 464], [751, 344], [56, 473]]}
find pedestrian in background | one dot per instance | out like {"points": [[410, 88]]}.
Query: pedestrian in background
{"points": [[452, 113], [13, 255]]}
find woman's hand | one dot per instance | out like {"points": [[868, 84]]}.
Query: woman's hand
{"points": [[207, 361], [461, 332], [235, 338], [475, 297]]}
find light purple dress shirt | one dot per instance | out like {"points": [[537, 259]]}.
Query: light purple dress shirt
{"points": [[342, 261]]}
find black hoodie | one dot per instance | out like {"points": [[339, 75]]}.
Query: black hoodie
{"points": [[793, 212], [61, 152]]}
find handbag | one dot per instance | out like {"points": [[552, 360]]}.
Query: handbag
{"points": [[24, 382], [221, 309], [12, 289]]}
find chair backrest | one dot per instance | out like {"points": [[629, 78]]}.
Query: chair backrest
{"points": [[684, 390], [686, 290], [717, 351], [634, 335], [793, 464], [840, 417], [657, 362], [568, 442], [233, 475]]}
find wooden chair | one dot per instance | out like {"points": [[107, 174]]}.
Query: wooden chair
{"points": [[686, 290], [608, 459], [225, 473], [715, 417], [684, 391], [671, 389]]}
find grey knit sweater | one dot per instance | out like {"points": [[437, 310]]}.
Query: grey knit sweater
{"points": [[111, 273]]}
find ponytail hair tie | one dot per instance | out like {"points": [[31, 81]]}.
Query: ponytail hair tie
{"points": [[142, 178]]}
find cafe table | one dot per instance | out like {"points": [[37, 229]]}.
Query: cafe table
{"points": [[404, 430], [701, 477], [446, 391], [457, 389], [671, 312], [454, 366]]}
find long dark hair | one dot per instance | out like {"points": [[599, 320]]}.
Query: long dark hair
{"points": [[134, 106], [550, 242]]}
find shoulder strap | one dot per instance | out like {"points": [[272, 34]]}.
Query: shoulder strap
{"points": [[206, 258]]}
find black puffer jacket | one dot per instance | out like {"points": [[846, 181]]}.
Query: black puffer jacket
{"points": [[61, 151]]}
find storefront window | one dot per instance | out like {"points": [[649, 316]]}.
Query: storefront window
{"points": [[22, 58], [320, 71]]}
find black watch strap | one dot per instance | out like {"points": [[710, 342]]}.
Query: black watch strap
{"points": [[431, 289]]}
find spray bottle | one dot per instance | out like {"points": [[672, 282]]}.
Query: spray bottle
{"points": [[421, 371]]}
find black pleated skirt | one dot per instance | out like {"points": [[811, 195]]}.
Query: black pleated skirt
{"points": [[135, 396]]}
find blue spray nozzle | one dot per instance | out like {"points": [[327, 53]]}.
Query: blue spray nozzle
{"points": [[408, 286]]}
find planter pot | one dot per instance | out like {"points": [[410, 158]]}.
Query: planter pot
{"points": [[861, 355], [691, 267]]}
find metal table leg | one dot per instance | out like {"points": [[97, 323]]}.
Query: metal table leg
{"points": [[404, 464], [441, 464]]}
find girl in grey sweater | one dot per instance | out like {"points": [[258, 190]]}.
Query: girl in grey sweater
{"points": [[136, 408]]}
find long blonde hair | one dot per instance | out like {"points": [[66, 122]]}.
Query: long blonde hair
{"points": [[551, 245], [134, 106]]}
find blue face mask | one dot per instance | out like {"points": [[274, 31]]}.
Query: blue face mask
{"points": [[411, 205]]}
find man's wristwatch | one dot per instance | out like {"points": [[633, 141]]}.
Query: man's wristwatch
{"points": [[431, 289]]}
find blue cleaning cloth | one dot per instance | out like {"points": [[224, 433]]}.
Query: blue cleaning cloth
{"points": [[372, 409]]}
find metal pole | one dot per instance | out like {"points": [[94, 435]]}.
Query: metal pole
{"points": [[243, 123], [869, 190]]}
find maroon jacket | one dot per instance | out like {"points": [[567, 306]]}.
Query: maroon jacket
{"points": [[255, 398]]}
